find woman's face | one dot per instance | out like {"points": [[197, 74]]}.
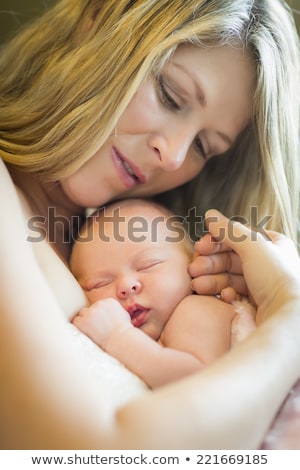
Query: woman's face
{"points": [[194, 110]]}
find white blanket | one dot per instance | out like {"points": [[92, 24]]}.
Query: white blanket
{"points": [[117, 384]]}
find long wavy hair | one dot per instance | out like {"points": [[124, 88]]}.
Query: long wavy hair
{"points": [[66, 79]]}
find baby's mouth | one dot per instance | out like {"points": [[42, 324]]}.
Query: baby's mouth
{"points": [[138, 314]]}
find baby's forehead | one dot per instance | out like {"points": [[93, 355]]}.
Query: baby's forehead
{"points": [[137, 221], [139, 229], [133, 218]]}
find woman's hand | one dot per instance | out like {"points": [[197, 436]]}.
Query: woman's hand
{"points": [[271, 268], [216, 266], [102, 321]]}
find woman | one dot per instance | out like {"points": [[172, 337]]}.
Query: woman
{"points": [[105, 100]]}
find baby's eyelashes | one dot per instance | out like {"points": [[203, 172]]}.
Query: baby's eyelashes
{"points": [[149, 264], [89, 286]]}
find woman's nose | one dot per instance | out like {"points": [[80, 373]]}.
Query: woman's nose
{"points": [[171, 151], [128, 286]]}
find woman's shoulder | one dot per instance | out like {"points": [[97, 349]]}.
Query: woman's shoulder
{"points": [[67, 291], [15, 205]]}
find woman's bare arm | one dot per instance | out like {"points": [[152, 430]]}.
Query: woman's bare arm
{"points": [[41, 396], [49, 401]]}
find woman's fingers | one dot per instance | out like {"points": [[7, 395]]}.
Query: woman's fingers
{"points": [[229, 294], [228, 261], [214, 284], [271, 266], [236, 236], [214, 267], [233, 251], [207, 245]]}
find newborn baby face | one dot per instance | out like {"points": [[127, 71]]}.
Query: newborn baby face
{"points": [[139, 260]]}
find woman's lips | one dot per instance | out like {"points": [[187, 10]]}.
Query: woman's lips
{"points": [[129, 173], [138, 314]]}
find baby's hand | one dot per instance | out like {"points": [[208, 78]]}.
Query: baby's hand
{"points": [[102, 320]]}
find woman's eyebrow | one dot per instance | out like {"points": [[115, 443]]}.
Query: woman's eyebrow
{"points": [[199, 93]]}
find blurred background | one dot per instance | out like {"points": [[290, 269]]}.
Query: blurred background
{"points": [[13, 13]]}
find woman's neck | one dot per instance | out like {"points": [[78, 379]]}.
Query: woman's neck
{"points": [[58, 218]]}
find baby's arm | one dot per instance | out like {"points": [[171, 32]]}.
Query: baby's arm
{"points": [[109, 325]]}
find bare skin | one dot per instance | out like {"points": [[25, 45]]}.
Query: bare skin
{"points": [[73, 416]]}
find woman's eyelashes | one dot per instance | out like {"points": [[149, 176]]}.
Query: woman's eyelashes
{"points": [[170, 102], [165, 97], [200, 148]]}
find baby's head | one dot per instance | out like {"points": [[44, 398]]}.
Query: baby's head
{"points": [[137, 252]]}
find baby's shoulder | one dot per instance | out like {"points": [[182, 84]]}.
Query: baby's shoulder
{"points": [[195, 309], [198, 318], [197, 303]]}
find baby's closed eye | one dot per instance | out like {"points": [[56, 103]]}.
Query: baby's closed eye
{"points": [[147, 265], [97, 284]]}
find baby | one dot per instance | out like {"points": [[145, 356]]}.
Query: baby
{"points": [[132, 262]]}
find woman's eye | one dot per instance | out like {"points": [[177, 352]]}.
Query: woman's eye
{"points": [[165, 96], [200, 148]]}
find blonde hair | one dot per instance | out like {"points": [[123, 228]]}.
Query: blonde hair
{"points": [[66, 80]]}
